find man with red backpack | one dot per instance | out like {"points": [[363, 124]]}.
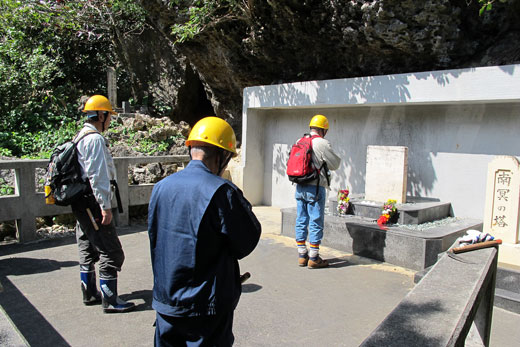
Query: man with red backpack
{"points": [[311, 182]]}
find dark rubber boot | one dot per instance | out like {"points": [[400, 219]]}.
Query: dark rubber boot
{"points": [[91, 295], [111, 302]]}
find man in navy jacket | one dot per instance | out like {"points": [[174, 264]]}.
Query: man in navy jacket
{"points": [[199, 225]]}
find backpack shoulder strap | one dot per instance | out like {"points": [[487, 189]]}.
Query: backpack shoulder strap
{"points": [[86, 133], [303, 137]]}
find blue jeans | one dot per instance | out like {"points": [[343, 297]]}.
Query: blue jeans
{"points": [[310, 213], [194, 331]]}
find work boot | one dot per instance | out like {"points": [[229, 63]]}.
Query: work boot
{"points": [[317, 263], [303, 259], [110, 301], [91, 295]]}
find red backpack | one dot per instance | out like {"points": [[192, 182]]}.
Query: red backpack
{"points": [[300, 167]]}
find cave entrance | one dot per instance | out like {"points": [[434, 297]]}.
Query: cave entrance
{"points": [[193, 103]]}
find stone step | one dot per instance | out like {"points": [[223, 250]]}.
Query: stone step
{"points": [[507, 292], [507, 300], [413, 212], [508, 279]]}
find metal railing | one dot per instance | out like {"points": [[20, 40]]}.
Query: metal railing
{"points": [[27, 203]]}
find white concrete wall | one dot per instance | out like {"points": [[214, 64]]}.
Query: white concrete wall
{"points": [[453, 123]]}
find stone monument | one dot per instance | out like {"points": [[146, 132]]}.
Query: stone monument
{"points": [[502, 206], [386, 173], [112, 86]]}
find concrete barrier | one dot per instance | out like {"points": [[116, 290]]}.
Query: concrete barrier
{"points": [[451, 306], [27, 203]]}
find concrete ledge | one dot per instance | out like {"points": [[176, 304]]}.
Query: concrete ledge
{"points": [[454, 298], [432, 87], [507, 290], [414, 250]]}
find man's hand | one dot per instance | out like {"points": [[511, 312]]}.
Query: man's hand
{"points": [[107, 216]]}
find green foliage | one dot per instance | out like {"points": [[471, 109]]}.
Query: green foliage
{"points": [[149, 147], [143, 145], [146, 145], [161, 107], [45, 67], [202, 14], [51, 53], [5, 152], [37, 144], [42, 143], [128, 16], [5, 188], [487, 5]]}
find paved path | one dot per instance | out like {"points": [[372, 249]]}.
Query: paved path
{"points": [[281, 305]]}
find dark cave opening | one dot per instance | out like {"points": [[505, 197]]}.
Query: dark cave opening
{"points": [[193, 103]]}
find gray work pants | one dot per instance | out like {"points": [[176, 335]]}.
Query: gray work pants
{"points": [[101, 245]]}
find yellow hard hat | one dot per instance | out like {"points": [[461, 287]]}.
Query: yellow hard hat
{"points": [[98, 103], [216, 132], [319, 121]]}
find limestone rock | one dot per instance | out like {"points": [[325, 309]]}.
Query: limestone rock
{"points": [[267, 42]]}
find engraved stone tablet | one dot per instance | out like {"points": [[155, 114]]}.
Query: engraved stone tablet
{"points": [[502, 195], [112, 86], [386, 173]]}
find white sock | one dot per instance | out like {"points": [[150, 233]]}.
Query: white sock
{"points": [[314, 251], [302, 248]]}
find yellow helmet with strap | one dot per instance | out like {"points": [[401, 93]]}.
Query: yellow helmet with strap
{"points": [[319, 121], [98, 103], [214, 131]]}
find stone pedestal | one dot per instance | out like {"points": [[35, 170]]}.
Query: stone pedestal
{"points": [[362, 236], [386, 173]]}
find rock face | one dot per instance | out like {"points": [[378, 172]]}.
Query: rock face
{"points": [[265, 42], [162, 77]]}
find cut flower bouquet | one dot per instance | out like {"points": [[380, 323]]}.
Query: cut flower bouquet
{"points": [[343, 201], [388, 212]]}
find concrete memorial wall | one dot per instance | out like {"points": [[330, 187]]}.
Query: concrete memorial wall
{"points": [[451, 125], [386, 173]]}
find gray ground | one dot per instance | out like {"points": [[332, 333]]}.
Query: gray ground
{"points": [[282, 304]]}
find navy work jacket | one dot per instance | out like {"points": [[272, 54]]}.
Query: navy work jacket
{"points": [[199, 224]]}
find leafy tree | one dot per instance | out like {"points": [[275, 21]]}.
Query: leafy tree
{"points": [[51, 53], [45, 67]]}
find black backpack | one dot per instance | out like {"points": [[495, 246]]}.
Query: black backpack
{"points": [[64, 174]]}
